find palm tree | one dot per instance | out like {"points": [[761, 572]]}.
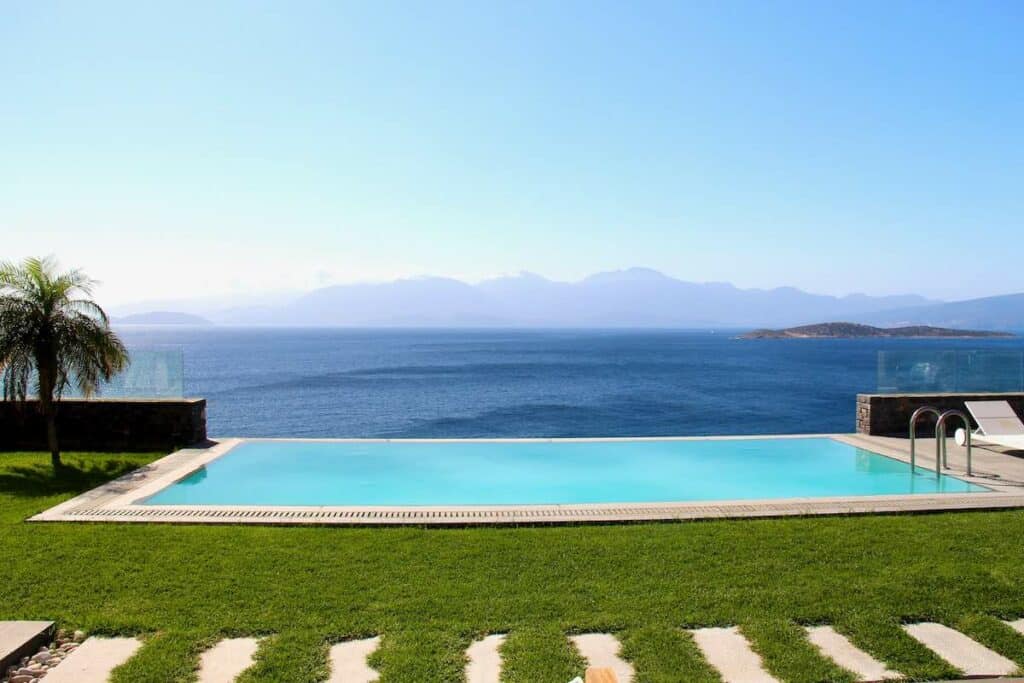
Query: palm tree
{"points": [[52, 332]]}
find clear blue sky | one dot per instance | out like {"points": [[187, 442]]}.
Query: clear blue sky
{"points": [[838, 147]]}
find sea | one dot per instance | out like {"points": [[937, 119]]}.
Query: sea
{"points": [[285, 382]]}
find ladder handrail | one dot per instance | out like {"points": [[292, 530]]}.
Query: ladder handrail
{"points": [[913, 436], [940, 436]]}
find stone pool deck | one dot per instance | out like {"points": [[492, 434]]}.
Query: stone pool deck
{"points": [[118, 501]]}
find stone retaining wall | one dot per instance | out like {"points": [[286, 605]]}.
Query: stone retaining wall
{"points": [[106, 424], [889, 414]]}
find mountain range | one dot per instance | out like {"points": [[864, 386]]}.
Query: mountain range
{"points": [[1005, 312], [636, 297], [161, 318]]}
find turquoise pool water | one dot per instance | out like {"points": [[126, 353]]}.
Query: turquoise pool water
{"points": [[510, 473]]}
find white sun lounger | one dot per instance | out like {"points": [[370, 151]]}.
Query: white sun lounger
{"points": [[998, 425]]}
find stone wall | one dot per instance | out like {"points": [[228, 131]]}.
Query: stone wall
{"points": [[106, 424], [889, 414]]}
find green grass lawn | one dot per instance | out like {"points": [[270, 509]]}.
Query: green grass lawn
{"points": [[430, 592]]}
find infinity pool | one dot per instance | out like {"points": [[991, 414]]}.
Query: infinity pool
{"points": [[545, 472]]}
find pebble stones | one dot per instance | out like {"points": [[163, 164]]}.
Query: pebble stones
{"points": [[35, 668]]}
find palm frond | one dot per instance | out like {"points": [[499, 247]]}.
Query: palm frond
{"points": [[16, 376], [88, 307], [49, 327]]}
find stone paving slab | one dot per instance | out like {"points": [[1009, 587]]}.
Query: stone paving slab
{"points": [[348, 661], [971, 657], [93, 661], [727, 650], [840, 650], [22, 638], [223, 662], [1017, 625], [601, 650], [484, 660]]}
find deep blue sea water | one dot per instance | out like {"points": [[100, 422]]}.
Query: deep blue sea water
{"points": [[508, 383]]}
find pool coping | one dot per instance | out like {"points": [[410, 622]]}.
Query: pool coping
{"points": [[120, 500]]}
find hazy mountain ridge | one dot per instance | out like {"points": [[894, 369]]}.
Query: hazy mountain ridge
{"points": [[635, 297], [161, 318], [1004, 312]]}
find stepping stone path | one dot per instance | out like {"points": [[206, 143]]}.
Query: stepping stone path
{"points": [[973, 658], [484, 665], [348, 661], [725, 649], [840, 650], [601, 650], [93, 660], [223, 662], [729, 652]]}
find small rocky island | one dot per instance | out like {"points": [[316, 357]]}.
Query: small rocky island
{"points": [[854, 330]]}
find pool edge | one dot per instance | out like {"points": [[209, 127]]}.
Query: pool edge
{"points": [[119, 500]]}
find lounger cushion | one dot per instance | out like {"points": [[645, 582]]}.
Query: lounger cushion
{"points": [[1014, 442], [995, 417]]}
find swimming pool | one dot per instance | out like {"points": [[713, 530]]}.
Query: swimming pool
{"points": [[545, 472]]}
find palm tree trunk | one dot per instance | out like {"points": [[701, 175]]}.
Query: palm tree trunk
{"points": [[46, 402], [51, 438]]}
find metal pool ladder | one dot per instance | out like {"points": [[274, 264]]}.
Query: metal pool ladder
{"points": [[940, 436], [913, 437], [941, 459]]}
